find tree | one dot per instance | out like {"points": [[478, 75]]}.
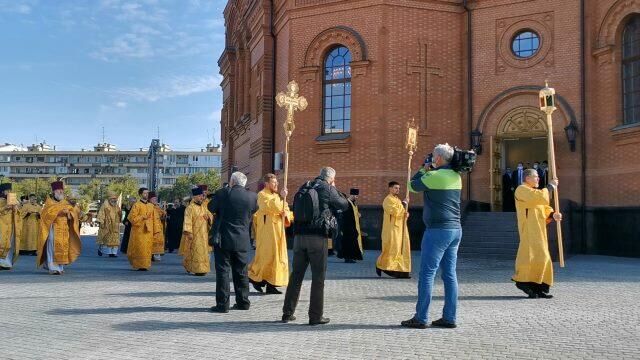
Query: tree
{"points": [[127, 186], [185, 183], [93, 191]]}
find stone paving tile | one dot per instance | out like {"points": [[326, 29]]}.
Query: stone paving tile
{"points": [[100, 309]]}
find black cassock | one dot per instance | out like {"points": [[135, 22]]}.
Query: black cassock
{"points": [[349, 247], [508, 200], [174, 227], [127, 231]]}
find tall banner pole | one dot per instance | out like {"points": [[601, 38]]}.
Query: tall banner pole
{"points": [[412, 145], [547, 104]]}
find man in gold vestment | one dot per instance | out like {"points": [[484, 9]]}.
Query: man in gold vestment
{"points": [[159, 225], [109, 217], [59, 240], [395, 259], [30, 213], [194, 245], [143, 225], [534, 269], [10, 227], [270, 266]]}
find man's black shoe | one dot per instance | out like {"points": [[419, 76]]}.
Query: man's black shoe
{"points": [[321, 321], [113, 255], [532, 294], [219, 309], [99, 252], [379, 272], [4, 268], [442, 323], [349, 261], [287, 318], [257, 286], [142, 269], [238, 307], [272, 290], [414, 324], [542, 295], [200, 274]]}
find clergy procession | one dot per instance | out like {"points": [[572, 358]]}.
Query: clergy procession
{"points": [[225, 223]]}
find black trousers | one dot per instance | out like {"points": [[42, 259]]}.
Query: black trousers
{"points": [[235, 262], [307, 249]]}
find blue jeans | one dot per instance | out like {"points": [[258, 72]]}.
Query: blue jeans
{"points": [[439, 247]]}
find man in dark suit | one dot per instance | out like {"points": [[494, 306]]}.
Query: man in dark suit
{"points": [[234, 207], [518, 175], [508, 201]]}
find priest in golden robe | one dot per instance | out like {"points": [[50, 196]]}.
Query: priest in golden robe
{"points": [[159, 221], [10, 227], [30, 213], [142, 218], [194, 245], [534, 269], [109, 217], [270, 266], [59, 240], [395, 259]]}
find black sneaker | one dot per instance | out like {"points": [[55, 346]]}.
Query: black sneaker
{"points": [[257, 286], [272, 290], [238, 307], [321, 321], [414, 324], [287, 318], [442, 323], [219, 309], [542, 295]]}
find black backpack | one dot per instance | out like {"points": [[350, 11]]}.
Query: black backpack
{"points": [[306, 205]]}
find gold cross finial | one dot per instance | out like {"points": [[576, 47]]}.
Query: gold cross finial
{"points": [[292, 102]]}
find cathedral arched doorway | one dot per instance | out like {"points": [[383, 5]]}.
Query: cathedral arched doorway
{"points": [[521, 137]]}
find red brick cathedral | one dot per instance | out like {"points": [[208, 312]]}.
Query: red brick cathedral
{"points": [[469, 72]]}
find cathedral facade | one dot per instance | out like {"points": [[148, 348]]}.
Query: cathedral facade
{"points": [[469, 73]]}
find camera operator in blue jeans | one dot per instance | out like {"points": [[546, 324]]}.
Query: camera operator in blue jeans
{"points": [[441, 187]]}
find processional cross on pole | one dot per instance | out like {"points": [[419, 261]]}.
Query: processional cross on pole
{"points": [[292, 102]]}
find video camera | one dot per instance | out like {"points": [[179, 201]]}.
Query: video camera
{"points": [[462, 160]]}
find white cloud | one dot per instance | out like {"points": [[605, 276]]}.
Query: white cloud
{"points": [[23, 7], [128, 45], [170, 87], [121, 104]]}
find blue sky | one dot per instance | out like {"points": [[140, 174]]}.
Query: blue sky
{"points": [[68, 68]]}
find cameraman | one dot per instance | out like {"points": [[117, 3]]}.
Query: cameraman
{"points": [[441, 187]]}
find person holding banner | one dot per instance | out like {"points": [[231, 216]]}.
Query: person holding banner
{"points": [[534, 269], [395, 258]]}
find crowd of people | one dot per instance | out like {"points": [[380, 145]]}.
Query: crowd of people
{"points": [[224, 223], [511, 179]]}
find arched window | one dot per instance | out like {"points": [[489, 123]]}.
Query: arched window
{"points": [[336, 117], [631, 71]]}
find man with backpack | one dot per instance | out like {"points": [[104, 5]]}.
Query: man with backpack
{"points": [[314, 208]]}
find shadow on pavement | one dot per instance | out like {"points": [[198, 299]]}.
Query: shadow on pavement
{"points": [[243, 326], [414, 298], [126, 310]]}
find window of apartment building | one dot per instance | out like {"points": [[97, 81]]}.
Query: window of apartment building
{"points": [[29, 159], [40, 159], [86, 171], [337, 92], [631, 71]]}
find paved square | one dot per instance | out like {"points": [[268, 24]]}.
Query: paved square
{"points": [[101, 309]]}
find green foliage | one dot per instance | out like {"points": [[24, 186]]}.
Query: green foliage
{"points": [[127, 186], [39, 186], [185, 183]]}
